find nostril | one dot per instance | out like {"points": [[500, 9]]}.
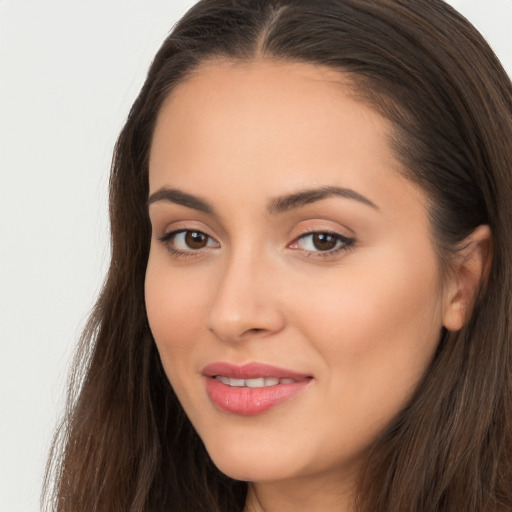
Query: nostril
{"points": [[254, 330]]}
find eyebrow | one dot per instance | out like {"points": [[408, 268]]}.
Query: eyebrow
{"points": [[278, 205], [175, 196], [298, 199]]}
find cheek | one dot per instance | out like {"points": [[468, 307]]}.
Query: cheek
{"points": [[173, 307], [377, 327]]}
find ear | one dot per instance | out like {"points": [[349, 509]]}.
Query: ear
{"points": [[470, 272]]}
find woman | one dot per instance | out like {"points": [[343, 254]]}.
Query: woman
{"points": [[308, 305]]}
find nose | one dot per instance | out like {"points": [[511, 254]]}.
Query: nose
{"points": [[246, 302]]}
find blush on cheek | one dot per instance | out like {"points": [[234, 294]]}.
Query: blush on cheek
{"points": [[377, 321]]}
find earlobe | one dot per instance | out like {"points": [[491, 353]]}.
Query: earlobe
{"points": [[469, 275]]}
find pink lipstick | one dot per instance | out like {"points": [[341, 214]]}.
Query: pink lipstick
{"points": [[251, 388]]}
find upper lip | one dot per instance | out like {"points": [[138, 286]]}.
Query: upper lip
{"points": [[250, 371]]}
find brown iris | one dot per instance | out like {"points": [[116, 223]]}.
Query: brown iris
{"points": [[196, 239], [324, 241]]}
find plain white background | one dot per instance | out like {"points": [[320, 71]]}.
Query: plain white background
{"points": [[69, 72]]}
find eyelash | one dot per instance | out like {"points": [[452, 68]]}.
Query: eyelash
{"points": [[167, 240], [343, 244]]}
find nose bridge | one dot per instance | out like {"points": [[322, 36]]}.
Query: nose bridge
{"points": [[245, 301]]}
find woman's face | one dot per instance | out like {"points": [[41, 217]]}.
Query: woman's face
{"points": [[292, 286]]}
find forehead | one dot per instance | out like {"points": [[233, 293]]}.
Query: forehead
{"points": [[271, 114], [233, 90]]}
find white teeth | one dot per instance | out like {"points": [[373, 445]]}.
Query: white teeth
{"points": [[255, 383], [259, 382]]}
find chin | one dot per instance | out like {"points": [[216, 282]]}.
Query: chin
{"points": [[251, 463], [249, 472]]}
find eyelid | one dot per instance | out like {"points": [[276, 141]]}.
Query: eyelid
{"points": [[343, 243], [174, 233], [165, 229], [339, 236], [169, 236]]}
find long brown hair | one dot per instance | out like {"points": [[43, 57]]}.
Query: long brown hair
{"points": [[125, 443]]}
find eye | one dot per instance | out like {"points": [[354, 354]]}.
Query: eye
{"points": [[322, 242], [187, 240]]}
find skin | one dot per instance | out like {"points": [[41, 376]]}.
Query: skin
{"points": [[363, 322]]}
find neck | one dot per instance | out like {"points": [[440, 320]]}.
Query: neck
{"points": [[313, 494]]}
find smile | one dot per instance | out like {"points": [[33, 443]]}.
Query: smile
{"points": [[252, 388], [253, 383]]}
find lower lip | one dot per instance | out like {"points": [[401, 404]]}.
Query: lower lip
{"points": [[251, 401]]}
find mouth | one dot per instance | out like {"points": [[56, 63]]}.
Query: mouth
{"points": [[252, 388], [260, 382]]}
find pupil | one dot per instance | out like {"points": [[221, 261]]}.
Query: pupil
{"points": [[195, 240], [324, 241]]}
